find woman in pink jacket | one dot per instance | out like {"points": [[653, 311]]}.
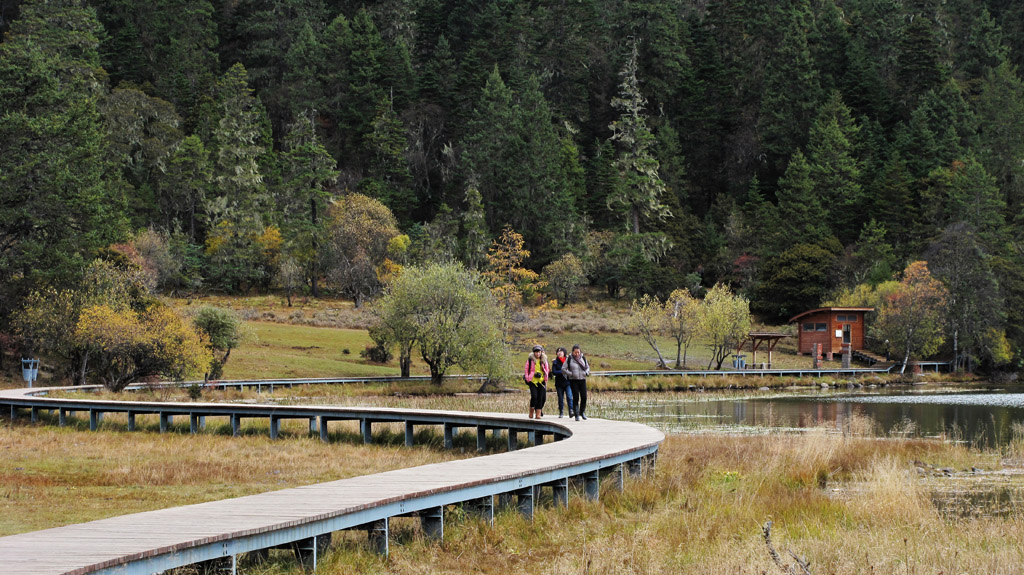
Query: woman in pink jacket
{"points": [[536, 377]]}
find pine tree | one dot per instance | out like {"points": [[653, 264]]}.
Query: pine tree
{"points": [[390, 181], [640, 194], [309, 175], [999, 143], [792, 91], [835, 169], [802, 220], [475, 237], [61, 192]]}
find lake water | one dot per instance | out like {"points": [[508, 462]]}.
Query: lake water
{"points": [[982, 418]]}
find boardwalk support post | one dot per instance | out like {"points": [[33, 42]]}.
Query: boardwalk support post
{"points": [[525, 498], [62, 417], [309, 551], [592, 485], [323, 429], [165, 422], [275, 426], [560, 489], [366, 426], [410, 434], [636, 468], [35, 415], [620, 477], [513, 439], [131, 420], [481, 438], [378, 535], [432, 522], [482, 507], [449, 435], [236, 424], [94, 419], [312, 425]]}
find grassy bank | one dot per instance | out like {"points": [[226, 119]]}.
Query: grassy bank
{"points": [[52, 476], [846, 504], [847, 501]]}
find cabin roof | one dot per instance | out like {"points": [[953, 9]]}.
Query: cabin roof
{"points": [[830, 309]]}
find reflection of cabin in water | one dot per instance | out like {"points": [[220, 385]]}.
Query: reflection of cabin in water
{"points": [[832, 327]]}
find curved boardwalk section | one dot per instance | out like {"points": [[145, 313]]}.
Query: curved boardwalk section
{"points": [[303, 518]]}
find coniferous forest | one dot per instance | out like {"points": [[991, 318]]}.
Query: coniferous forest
{"points": [[801, 151]]}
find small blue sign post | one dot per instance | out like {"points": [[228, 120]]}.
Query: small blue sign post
{"points": [[29, 370]]}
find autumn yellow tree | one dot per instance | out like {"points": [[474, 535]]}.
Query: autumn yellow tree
{"points": [[911, 318], [724, 322], [646, 315], [505, 274], [126, 346], [682, 316], [360, 234]]}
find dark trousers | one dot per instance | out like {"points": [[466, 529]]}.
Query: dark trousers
{"points": [[564, 391], [579, 395], [538, 395]]}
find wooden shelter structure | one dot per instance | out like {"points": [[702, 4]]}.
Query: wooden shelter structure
{"points": [[768, 339], [834, 328]]}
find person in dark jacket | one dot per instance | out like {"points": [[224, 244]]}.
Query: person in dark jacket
{"points": [[576, 369], [536, 377], [562, 388]]}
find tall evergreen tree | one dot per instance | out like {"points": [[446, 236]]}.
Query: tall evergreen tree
{"points": [[641, 193], [792, 91], [309, 175], [61, 192], [836, 171]]}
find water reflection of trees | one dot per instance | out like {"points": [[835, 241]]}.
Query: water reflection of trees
{"points": [[984, 426]]}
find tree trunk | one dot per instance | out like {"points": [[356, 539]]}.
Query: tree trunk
{"points": [[316, 251], [436, 377], [79, 376], [635, 216], [906, 359], [404, 363], [679, 352]]}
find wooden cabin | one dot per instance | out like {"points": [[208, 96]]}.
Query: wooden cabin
{"points": [[833, 328]]}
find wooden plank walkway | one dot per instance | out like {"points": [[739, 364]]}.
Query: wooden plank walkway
{"points": [[111, 545]]}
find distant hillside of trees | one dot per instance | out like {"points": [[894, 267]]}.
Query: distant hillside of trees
{"points": [[796, 150]]}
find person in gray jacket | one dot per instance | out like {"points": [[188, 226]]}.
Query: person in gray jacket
{"points": [[576, 370]]}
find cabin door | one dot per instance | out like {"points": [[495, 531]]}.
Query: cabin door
{"points": [[846, 334]]}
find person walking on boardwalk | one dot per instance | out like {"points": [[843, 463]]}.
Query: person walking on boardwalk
{"points": [[576, 370], [536, 377], [562, 388]]}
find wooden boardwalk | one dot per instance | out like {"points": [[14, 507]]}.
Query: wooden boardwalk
{"points": [[156, 540]]}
